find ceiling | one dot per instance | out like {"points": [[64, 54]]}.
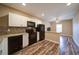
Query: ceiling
{"points": [[50, 10]]}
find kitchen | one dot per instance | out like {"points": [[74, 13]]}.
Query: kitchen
{"points": [[38, 29], [13, 23]]}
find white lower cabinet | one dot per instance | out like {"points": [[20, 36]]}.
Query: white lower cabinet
{"points": [[25, 40], [4, 46], [0, 46], [37, 36]]}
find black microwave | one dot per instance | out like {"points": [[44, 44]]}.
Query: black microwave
{"points": [[30, 24]]}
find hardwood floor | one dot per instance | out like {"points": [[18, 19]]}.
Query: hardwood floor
{"points": [[68, 47], [41, 48]]}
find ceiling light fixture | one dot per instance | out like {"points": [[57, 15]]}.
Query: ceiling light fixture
{"points": [[24, 4], [68, 4]]}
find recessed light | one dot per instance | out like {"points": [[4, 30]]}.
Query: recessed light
{"points": [[68, 4], [43, 14], [24, 4]]}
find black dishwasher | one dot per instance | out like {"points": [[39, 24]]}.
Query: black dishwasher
{"points": [[14, 44]]}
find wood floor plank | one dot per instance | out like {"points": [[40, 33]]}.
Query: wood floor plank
{"points": [[41, 48], [68, 46]]}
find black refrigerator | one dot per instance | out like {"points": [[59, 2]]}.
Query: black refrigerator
{"points": [[31, 30], [41, 30]]}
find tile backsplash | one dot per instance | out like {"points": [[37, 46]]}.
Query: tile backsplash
{"points": [[16, 30], [13, 30]]}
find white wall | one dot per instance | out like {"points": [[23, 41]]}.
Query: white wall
{"points": [[76, 29]]}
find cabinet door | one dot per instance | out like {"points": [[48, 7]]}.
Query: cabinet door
{"points": [[0, 46], [4, 46], [25, 40], [17, 20]]}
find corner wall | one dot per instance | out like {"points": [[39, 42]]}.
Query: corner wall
{"points": [[76, 29]]}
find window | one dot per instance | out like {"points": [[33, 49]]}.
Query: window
{"points": [[58, 28]]}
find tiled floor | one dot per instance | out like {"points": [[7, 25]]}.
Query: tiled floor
{"points": [[41, 48]]}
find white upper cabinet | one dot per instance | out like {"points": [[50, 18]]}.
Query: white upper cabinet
{"points": [[17, 20], [21, 21]]}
